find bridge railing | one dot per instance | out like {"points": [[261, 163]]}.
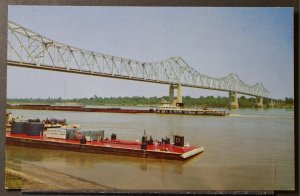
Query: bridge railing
{"points": [[27, 47]]}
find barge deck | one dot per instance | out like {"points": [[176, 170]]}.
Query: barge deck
{"points": [[110, 147]]}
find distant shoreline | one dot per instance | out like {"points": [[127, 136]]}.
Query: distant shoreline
{"points": [[142, 106], [135, 101]]}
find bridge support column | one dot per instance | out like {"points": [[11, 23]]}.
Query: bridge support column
{"points": [[233, 100], [179, 95], [171, 93], [178, 101], [271, 104], [260, 103]]}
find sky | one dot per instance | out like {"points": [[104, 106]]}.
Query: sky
{"points": [[254, 43]]}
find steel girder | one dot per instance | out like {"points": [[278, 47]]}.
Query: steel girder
{"points": [[26, 47]]}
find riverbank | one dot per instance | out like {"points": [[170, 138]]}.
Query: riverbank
{"points": [[17, 180], [21, 175]]}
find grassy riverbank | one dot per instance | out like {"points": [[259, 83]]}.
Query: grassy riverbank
{"points": [[21, 175], [17, 180]]}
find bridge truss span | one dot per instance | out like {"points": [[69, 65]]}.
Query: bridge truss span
{"points": [[29, 49]]}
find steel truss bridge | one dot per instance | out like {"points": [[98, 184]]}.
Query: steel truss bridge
{"points": [[31, 50]]}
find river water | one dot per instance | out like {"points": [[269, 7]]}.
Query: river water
{"points": [[248, 150]]}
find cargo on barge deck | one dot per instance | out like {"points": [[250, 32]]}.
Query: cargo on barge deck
{"points": [[111, 147]]}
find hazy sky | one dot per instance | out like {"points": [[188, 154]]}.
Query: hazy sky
{"points": [[255, 43]]}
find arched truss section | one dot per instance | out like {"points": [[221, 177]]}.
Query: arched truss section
{"points": [[27, 48]]}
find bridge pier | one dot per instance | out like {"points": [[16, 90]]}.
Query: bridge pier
{"points": [[178, 101], [179, 95], [171, 93], [260, 103], [233, 100], [271, 104]]}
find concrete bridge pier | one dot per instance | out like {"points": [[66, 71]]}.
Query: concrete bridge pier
{"points": [[179, 95], [271, 104], [178, 101], [260, 103], [233, 100], [171, 93]]}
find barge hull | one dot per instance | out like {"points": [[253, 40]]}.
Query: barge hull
{"points": [[89, 148]]}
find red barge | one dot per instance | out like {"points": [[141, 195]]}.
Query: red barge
{"points": [[57, 135], [111, 147]]}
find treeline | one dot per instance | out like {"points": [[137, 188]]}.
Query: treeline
{"points": [[209, 101]]}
